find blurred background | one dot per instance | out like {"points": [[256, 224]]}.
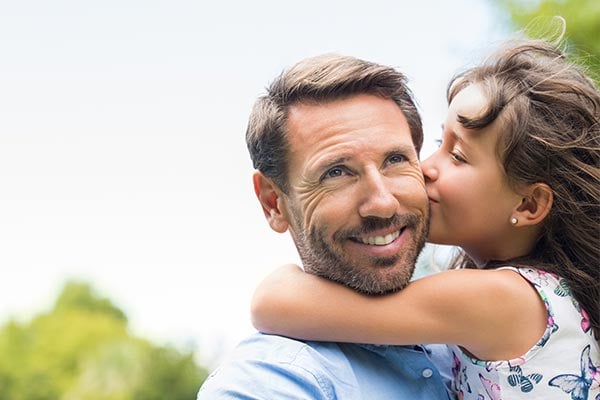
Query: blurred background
{"points": [[130, 238]]}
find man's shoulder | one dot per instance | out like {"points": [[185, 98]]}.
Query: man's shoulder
{"points": [[311, 354], [263, 365], [281, 350], [270, 366]]}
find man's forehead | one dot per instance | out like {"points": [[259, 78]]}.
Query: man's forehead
{"points": [[337, 115], [323, 140]]}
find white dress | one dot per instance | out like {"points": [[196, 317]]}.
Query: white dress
{"points": [[564, 364]]}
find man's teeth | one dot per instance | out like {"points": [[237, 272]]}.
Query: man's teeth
{"points": [[381, 240]]}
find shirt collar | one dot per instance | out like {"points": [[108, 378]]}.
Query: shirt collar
{"points": [[382, 349]]}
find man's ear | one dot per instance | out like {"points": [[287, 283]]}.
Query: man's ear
{"points": [[269, 196], [535, 205]]}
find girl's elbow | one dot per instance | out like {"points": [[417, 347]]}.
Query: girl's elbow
{"points": [[260, 309]]}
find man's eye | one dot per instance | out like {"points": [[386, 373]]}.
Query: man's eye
{"points": [[396, 158], [334, 172]]}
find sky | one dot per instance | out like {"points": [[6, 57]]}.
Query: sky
{"points": [[122, 153]]}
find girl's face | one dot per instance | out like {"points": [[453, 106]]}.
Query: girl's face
{"points": [[470, 199]]}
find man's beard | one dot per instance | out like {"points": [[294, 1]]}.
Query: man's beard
{"points": [[382, 274]]}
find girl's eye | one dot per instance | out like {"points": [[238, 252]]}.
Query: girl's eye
{"points": [[457, 157]]}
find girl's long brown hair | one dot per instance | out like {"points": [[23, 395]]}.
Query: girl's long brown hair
{"points": [[549, 111]]}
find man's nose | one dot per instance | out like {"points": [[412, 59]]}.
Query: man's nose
{"points": [[378, 199]]}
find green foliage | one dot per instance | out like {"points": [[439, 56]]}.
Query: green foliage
{"points": [[77, 295], [582, 29], [171, 373], [81, 350]]}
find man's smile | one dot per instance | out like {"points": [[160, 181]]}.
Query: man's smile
{"points": [[380, 240]]}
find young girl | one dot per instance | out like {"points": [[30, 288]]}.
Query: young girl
{"points": [[516, 184]]}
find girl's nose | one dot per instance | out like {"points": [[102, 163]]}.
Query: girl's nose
{"points": [[429, 168]]}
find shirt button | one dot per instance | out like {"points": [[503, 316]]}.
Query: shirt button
{"points": [[427, 373]]}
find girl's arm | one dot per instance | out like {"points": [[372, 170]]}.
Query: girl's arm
{"points": [[493, 314]]}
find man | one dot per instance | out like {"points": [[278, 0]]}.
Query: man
{"points": [[335, 143]]}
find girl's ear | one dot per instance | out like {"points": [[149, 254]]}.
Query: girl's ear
{"points": [[535, 205], [269, 196]]}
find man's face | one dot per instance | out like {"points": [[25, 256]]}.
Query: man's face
{"points": [[357, 206]]}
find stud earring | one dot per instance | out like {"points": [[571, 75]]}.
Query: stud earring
{"points": [[514, 220]]}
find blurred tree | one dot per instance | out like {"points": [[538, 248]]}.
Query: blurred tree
{"points": [[82, 350], [582, 30]]}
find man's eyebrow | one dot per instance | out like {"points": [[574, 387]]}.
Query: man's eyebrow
{"points": [[331, 162], [402, 149]]}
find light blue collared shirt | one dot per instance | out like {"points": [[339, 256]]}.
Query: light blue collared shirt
{"points": [[271, 367]]}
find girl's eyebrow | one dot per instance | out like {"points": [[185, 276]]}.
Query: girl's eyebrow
{"points": [[451, 133], [459, 138]]}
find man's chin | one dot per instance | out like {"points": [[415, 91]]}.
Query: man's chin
{"points": [[378, 280], [382, 288]]}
